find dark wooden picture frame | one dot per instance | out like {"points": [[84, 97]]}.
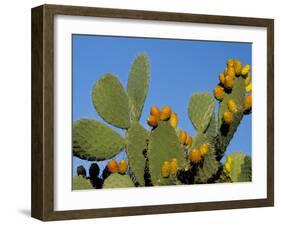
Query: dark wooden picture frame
{"points": [[43, 112]]}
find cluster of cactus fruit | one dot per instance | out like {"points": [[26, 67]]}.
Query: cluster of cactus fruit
{"points": [[164, 154]]}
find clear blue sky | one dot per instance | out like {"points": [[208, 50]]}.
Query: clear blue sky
{"points": [[179, 68]]}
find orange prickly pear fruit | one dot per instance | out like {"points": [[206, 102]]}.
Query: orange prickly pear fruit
{"points": [[112, 166], [174, 167], [152, 121], [227, 117], [195, 155], [232, 106], [245, 70], [219, 93], [247, 102], [165, 113], [204, 149], [182, 137], [230, 63], [229, 82], [174, 120], [155, 111], [165, 169], [230, 71], [188, 141], [237, 67], [123, 166], [221, 78]]}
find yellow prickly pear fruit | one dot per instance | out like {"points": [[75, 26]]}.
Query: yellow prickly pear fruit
{"points": [[230, 71], [245, 70], [227, 167], [247, 78], [174, 167], [123, 166], [182, 137], [230, 63], [232, 106], [152, 121], [204, 149], [155, 111], [229, 159], [188, 141], [221, 78], [237, 67], [247, 102], [219, 93], [195, 155], [229, 82], [165, 113], [165, 169], [174, 120], [227, 117], [248, 88], [112, 166]]}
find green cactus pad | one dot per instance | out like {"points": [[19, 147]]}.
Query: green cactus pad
{"points": [[211, 131], [137, 138], [137, 86], [237, 94], [81, 183], [163, 146], [118, 181], [241, 169], [200, 109], [111, 101], [92, 140], [209, 165]]}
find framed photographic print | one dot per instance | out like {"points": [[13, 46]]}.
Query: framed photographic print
{"points": [[141, 112]]}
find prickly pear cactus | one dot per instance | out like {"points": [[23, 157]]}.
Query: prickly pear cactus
{"points": [[138, 84], [240, 170], [111, 101], [92, 140], [163, 146], [137, 139], [118, 181], [81, 183], [200, 109]]}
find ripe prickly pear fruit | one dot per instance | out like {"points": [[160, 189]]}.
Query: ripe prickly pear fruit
{"points": [[219, 93], [188, 141], [165, 169], [222, 78], [195, 155], [123, 166], [112, 166], [155, 111], [81, 171], [230, 71], [204, 149], [229, 82], [228, 117], [174, 167], [152, 121], [165, 113], [94, 170], [232, 106], [248, 88], [174, 120], [245, 70], [247, 78], [230, 63], [247, 102], [237, 67], [182, 137]]}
